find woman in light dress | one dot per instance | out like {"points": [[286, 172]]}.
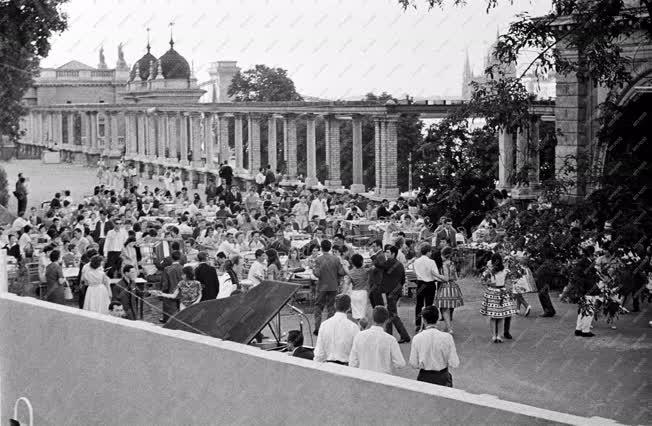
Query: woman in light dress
{"points": [[300, 211], [449, 295], [101, 170], [497, 302], [98, 294]]}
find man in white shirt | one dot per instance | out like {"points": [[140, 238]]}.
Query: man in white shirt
{"points": [[114, 243], [433, 351], [258, 270], [260, 180], [19, 223], [427, 274], [228, 246], [317, 209], [374, 349], [336, 334]]}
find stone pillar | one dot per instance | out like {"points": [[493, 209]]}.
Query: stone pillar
{"points": [[333, 152], [129, 134], [151, 136], [142, 141], [534, 153], [71, 129], [254, 143], [505, 159], [285, 141], [238, 142], [522, 152], [58, 128], [290, 123], [173, 138], [223, 138], [356, 127], [209, 140], [311, 152], [378, 156], [161, 131], [106, 149], [271, 142], [390, 155], [93, 132], [183, 138], [196, 138]]}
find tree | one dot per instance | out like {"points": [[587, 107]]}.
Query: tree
{"points": [[25, 29], [263, 84]]}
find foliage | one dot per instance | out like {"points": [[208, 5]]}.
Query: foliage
{"points": [[25, 29], [460, 165], [4, 188], [263, 84]]}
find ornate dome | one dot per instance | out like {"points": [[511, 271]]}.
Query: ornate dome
{"points": [[173, 65], [143, 66]]}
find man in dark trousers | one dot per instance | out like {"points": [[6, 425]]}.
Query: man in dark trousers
{"points": [[124, 291], [328, 270], [21, 194], [270, 177], [207, 276], [169, 281], [392, 285], [226, 173], [378, 260], [102, 227]]}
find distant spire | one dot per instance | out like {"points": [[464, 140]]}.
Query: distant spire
{"points": [[148, 46], [497, 32], [171, 37], [467, 66]]}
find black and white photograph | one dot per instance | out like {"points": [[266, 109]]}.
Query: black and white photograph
{"points": [[325, 212]]}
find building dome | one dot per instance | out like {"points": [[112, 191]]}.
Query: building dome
{"points": [[173, 65], [143, 66]]}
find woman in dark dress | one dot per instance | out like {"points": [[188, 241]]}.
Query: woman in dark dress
{"points": [[54, 279]]}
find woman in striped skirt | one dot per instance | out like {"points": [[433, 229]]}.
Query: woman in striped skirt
{"points": [[497, 302], [449, 295]]}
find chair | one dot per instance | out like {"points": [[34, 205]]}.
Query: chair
{"points": [[306, 292], [33, 278]]}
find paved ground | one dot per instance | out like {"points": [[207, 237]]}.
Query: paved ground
{"points": [[545, 366]]}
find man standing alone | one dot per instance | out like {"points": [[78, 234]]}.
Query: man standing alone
{"points": [[427, 276], [392, 285], [328, 269], [375, 350], [21, 194], [433, 351]]}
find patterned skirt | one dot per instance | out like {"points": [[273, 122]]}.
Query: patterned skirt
{"points": [[497, 303], [449, 296]]}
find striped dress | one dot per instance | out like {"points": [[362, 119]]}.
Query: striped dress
{"points": [[449, 294], [497, 301]]}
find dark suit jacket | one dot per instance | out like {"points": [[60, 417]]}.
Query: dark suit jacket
{"points": [[328, 269], [122, 293], [207, 276], [171, 277], [302, 352], [96, 232], [393, 277], [445, 233]]}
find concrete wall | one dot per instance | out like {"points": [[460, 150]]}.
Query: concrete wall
{"points": [[49, 95], [82, 368]]}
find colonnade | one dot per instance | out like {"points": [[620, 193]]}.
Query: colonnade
{"points": [[198, 141], [519, 154]]}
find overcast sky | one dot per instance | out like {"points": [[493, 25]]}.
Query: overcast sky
{"points": [[331, 48]]}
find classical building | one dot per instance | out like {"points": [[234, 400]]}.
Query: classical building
{"points": [[75, 82]]}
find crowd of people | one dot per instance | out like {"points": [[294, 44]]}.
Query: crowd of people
{"points": [[230, 239]]}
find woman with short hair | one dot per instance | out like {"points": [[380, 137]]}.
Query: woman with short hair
{"points": [[98, 293]]}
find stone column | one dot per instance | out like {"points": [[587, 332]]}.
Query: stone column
{"points": [[108, 132], [356, 127], [534, 153], [151, 136], [183, 138], [285, 141], [271, 142], [173, 138], [238, 142], [58, 128], [290, 123], [142, 141], [94, 140], [209, 142], [311, 152], [521, 149], [223, 138], [254, 143], [390, 156], [161, 131], [129, 134], [378, 156], [71, 129], [505, 159], [196, 138], [333, 145]]}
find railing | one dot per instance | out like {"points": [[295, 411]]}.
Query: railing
{"points": [[67, 74]]}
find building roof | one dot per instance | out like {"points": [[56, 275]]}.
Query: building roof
{"points": [[173, 65], [75, 65], [143, 65]]}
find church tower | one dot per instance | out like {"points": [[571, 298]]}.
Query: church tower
{"points": [[467, 78]]}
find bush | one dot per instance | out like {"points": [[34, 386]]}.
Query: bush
{"points": [[4, 188]]}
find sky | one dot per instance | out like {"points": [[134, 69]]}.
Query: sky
{"points": [[333, 49]]}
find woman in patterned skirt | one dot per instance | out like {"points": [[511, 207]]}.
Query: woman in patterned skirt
{"points": [[497, 303], [449, 295]]}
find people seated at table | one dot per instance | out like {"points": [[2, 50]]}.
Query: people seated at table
{"points": [[280, 243], [274, 268], [258, 269]]}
